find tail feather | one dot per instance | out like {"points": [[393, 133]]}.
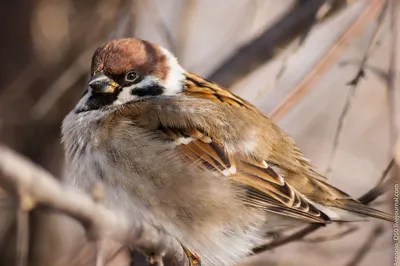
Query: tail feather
{"points": [[360, 209], [344, 206]]}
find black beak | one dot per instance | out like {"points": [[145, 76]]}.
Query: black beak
{"points": [[100, 83]]}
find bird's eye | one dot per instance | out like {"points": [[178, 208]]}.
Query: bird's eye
{"points": [[131, 76]]}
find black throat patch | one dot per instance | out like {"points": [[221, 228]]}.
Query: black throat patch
{"points": [[97, 101], [152, 90]]}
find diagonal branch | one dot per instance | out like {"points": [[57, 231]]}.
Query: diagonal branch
{"points": [[305, 85], [252, 55], [392, 73], [37, 187], [328, 9], [354, 83], [367, 246], [295, 23]]}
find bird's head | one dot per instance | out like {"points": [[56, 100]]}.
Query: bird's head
{"points": [[126, 70]]}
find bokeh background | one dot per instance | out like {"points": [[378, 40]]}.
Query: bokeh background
{"points": [[325, 70]]}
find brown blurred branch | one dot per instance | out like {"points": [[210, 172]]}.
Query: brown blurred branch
{"points": [[339, 235], [22, 237], [367, 246], [36, 187], [287, 239], [392, 72], [381, 186], [327, 10], [303, 87], [296, 22]]}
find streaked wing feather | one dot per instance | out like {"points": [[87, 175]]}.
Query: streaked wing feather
{"points": [[266, 189], [199, 87], [257, 200]]}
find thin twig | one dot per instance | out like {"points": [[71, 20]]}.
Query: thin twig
{"points": [[101, 253], [386, 171], [352, 90], [392, 73], [22, 237], [265, 47], [339, 128], [367, 246], [97, 193], [287, 239], [322, 65], [341, 234], [270, 43], [327, 10], [377, 190]]}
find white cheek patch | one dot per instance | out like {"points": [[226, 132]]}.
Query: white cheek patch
{"points": [[125, 96], [175, 77]]}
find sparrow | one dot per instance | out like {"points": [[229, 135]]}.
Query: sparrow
{"points": [[187, 156]]}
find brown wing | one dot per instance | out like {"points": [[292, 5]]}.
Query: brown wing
{"points": [[281, 182], [197, 86], [265, 188], [201, 88]]}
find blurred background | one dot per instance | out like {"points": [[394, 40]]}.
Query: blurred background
{"points": [[325, 70]]}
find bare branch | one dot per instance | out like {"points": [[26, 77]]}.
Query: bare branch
{"points": [[295, 23], [22, 237], [392, 73], [353, 87], [380, 187], [322, 65], [350, 229], [100, 253], [366, 247], [257, 52], [284, 240], [327, 10], [18, 174]]}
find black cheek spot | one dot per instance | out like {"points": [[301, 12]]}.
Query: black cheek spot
{"points": [[148, 91]]}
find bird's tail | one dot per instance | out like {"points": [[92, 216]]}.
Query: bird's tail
{"points": [[342, 206]]}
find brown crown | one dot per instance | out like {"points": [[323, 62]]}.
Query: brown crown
{"points": [[120, 56]]}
